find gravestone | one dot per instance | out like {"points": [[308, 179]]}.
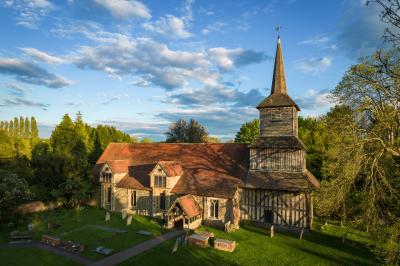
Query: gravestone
{"points": [[107, 218], [123, 215], [271, 234], [30, 227], [129, 220]]}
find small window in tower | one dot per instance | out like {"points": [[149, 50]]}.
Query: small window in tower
{"points": [[276, 115]]}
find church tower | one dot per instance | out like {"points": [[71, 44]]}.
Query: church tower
{"points": [[278, 148]]}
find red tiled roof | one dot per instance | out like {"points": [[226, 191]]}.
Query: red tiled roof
{"points": [[171, 168], [208, 169], [131, 183], [189, 206], [118, 166]]}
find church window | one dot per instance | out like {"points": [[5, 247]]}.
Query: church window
{"points": [[214, 206]]}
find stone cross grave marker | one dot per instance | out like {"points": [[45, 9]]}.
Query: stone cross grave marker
{"points": [[123, 215], [107, 218]]}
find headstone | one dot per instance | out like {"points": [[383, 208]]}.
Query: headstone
{"points": [[123, 215], [129, 220], [225, 245], [107, 218], [301, 234], [30, 227], [271, 234]]}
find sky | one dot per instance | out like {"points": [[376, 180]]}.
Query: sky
{"points": [[140, 65]]}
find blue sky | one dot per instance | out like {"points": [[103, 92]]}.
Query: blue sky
{"points": [[139, 65]]}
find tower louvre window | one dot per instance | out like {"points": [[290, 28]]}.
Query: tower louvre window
{"points": [[276, 115]]}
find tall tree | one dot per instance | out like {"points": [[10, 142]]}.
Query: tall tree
{"points": [[34, 131], [21, 131], [390, 14], [6, 125], [182, 131], [2, 125], [248, 132], [363, 163], [11, 128], [27, 133], [16, 127]]}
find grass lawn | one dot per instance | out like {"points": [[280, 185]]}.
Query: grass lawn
{"points": [[84, 227], [30, 256], [254, 247]]}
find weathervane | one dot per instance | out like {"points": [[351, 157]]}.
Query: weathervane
{"points": [[278, 29]]}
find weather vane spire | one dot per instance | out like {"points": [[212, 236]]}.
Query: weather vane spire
{"points": [[278, 29]]}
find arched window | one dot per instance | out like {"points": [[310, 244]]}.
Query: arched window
{"points": [[214, 209]]}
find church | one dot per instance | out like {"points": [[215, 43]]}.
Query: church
{"points": [[186, 185]]}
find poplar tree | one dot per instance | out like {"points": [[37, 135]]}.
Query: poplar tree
{"points": [[11, 128], [16, 126], [34, 130], [21, 131], [27, 128]]}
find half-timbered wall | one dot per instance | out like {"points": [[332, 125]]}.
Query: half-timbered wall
{"points": [[283, 208], [272, 159]]}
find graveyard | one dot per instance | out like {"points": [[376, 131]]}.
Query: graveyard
{"points": [[88, 227]]}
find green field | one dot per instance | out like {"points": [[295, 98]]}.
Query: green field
{"points": [[30, 256], [254, 247], [321, 247]]}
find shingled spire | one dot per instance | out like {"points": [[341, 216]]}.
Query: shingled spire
{"points": [[279, 96], [278, 79]]}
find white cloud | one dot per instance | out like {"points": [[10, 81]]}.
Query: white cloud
{"points": [[314, 65], [29, 12], [42, 56], [169, 26], [217, 26], [125, 9], [314, 100], [321, 41]]}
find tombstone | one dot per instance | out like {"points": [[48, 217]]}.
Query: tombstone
{"points": [[107, 218], [123, 215], [30, 227], [129, 220], [301, 234], [271, 233]]}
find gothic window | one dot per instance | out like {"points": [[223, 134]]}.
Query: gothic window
{"points": [[214, 206], [162, 201], [276, 115], [133, 199], [109, 195], [159, 181], [106, 177]]}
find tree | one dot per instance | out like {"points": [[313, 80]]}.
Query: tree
{"points": [[34, 131], [16, 127], [27, 133], [363, 162], [390, 14], [6, 145], [248, 132], [11, 128], [13, 191], [211, 139], [21, 131], [182, 131], [146, 140]]}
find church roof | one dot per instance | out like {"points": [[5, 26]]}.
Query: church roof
{"points": [[278, 96], [189, 206], [281, 181], [212, 170], [291, 142]]}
